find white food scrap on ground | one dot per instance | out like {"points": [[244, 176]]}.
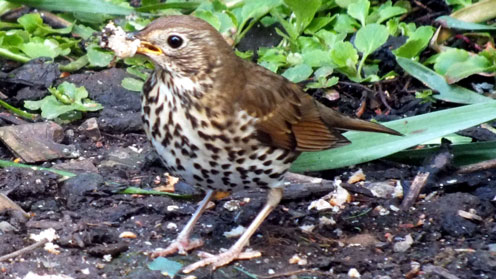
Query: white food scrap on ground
{"points": [[48, 234], [236, 232], [116, 39]]}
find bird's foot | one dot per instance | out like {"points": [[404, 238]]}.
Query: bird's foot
{"points": [[221, 259], [180, 246]]}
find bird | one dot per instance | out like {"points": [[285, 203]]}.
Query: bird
{"points": [[222, 123]]}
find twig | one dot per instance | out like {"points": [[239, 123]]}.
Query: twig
{"points": [[24, 250], [485, 165], [417, 185], [290, 273]]}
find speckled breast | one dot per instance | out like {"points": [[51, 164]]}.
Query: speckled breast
{"points": [[225, 157]]}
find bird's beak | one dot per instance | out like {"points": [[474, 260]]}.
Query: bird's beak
{"points": [[148, 48], [144, 47]]}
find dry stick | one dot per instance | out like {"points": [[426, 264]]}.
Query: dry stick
{"points": [[417, 185], [484, 165], [24, 250], [290, 273]]}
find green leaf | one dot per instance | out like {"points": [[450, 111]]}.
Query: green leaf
{"points": [[298, 73], [417, 42], [46, 48], [387, 12], [87, 6], [370, 38], [454, 23], [318, 23], [304, 12], [132, 84], [66, 102], [34, 25], [99, 57], [316, 58], [417, 129], [359, 10], [345, 24], [456, 64], [464, 154], [447, 92], [165, 266], [345, 57]]}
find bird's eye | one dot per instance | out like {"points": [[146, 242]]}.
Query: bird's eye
{"points": [[174, 41]]}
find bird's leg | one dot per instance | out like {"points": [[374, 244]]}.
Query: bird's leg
{"points": [[236, 251], [182, 244]]}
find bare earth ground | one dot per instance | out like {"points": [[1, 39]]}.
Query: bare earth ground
{"points": [[370, 235]]}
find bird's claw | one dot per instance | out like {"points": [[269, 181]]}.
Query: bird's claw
{"points": [[180, 246], [221, 259]]}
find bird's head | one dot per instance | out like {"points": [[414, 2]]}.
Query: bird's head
{"points": [[183, 45]]}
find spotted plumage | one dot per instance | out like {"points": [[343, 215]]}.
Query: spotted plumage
{"points": [[222, 123]]}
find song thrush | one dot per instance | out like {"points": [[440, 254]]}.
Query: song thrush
{"points": [[223, 123]]}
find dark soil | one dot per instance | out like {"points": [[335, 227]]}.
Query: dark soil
{"points": [[89, 214]]}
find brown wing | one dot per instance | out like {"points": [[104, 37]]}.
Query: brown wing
{"points": [[291, 119], [288, 117]]}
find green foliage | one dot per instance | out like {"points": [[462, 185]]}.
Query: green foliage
{"points": [[66, 102]]}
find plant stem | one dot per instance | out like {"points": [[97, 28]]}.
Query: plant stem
{"points": [[20, 112], [75, 65], [13, 56]]}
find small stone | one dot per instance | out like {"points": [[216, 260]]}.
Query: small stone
{"points": [[90, 129], [172, 226], [353, 273], [325, 221], [403, 246], [6, 227], [320, 205], [307, 228], [172, 208], [232, 205]]}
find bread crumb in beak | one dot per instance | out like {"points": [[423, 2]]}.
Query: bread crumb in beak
{"points": [[115, 38]]}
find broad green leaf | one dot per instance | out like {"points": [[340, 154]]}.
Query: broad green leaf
{"points": [[316, 57], [46, 48], [387, 12], [345, 57], [34, 25], [417, 42], [418, 129], [447, 92], [318, 23], [87, 6], [132, 84], [83, 31], [298, 73], [165, 266], [359, 10], [330, 38], [454, 23], [465, 154], [187, 6], [304, 11], [456, 64], [370, 38], [209, 17], [99, 57], [345, 24]]}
